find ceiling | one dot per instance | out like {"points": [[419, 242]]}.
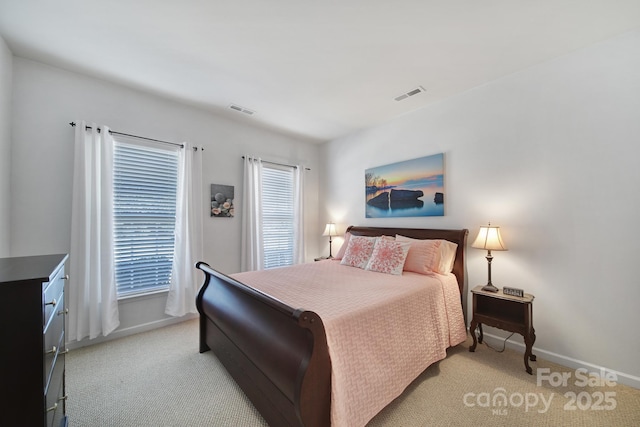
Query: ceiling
{"points": [[315, 69]]}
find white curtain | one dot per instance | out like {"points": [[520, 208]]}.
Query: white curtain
{"points": [[188, 235], [252, 243], [93, 304], [299, 254]]}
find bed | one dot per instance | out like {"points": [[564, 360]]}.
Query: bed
{"points": [[280, 352]]}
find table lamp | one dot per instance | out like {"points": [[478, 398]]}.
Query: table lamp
{"points": [[330, 230], [489, 238]]}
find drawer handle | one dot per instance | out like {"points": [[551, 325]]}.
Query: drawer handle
{"points": [[65, 311], [63, 398], [65, 351], [65, 277], [53, 350], [53, 303], [53, 408]]}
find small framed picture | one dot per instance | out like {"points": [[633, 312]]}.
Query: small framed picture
{"points": [[222, 200]]}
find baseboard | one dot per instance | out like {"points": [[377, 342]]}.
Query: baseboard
{"points": [[121, 333], [569, 362]]}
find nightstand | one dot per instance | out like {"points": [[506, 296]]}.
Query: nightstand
{"points": [[510, 313]]}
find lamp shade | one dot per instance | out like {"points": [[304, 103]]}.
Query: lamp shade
{"points": [[330, 230], [489, 238]]}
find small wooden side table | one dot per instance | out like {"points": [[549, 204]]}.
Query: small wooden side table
{"points": [[510, 313]]}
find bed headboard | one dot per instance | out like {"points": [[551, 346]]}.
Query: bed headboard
{"points": [[458, 237]]}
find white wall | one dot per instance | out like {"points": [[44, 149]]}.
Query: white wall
{"points": [[6, 72], [46, 99], [551, 155]]}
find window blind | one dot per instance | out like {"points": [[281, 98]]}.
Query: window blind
{"points": [[145, 191], [278, 212]]}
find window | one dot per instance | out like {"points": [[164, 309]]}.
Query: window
{"points": [[145, 191], [278, 216]]}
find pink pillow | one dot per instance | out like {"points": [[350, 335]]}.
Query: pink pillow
{"points": [[343, 248], [388, 256], [358, 251], [424, 255]]}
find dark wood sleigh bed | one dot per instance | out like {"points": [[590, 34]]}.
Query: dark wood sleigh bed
{"points": [[278, 354]]}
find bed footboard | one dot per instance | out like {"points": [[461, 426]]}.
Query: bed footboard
{"points": [[278, 355]]}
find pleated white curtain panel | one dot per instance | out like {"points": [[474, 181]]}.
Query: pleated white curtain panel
{"points": [[93, 305], [188, 235], [252, 242]]}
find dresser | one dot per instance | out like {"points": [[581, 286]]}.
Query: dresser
{"points": [[32, 322]]}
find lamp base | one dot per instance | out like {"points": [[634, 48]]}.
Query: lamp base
{"points": [[490, 288]]}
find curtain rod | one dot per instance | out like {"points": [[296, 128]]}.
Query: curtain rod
{"points": [[73, 124], [281, 164]]}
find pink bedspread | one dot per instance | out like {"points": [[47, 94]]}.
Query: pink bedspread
{"points": [[382, 330]]}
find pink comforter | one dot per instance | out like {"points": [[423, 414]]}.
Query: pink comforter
{"points": [[382, 330]]}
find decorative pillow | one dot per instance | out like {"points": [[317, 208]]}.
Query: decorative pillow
{"points": [[358, 251], [424, 255], [388, 256], [343, 248]]}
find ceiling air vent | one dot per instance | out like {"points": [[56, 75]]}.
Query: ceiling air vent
{"points": [[410, 93], [241, 109]]}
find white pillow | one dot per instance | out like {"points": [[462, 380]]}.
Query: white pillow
{"points": [[447, 256], [343, 248]]}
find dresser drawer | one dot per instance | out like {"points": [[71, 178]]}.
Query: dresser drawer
{"points": [[53, 298], [53, 339], [54, 393]]}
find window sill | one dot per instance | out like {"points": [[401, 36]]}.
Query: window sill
{"points": [[140, 296]]}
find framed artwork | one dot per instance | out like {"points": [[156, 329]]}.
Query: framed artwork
{"points": [[404, 189], [222, 200]]}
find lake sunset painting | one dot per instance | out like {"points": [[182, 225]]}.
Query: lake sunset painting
{"points": [[409, 188]]}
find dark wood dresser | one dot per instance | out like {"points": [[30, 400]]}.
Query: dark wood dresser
{"points": [[32, 322]]}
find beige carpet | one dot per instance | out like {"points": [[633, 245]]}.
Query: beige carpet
{"points": [[158, 378]]}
